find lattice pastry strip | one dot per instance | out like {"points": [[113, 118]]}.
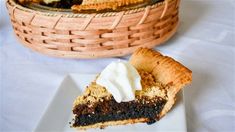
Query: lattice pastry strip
{"points": [[104, 4]]}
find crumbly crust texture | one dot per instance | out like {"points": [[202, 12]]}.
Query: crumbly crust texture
{"points": [[27, 1], [96, 93], [166, 70]]}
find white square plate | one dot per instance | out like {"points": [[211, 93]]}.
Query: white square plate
{"points": [[59, 112]]}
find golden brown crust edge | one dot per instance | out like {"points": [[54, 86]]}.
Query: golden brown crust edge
{"points": [[27, 1], [107, 4], [165, 69]]}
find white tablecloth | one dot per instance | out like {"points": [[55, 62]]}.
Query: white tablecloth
{"points": [[204, 42]]}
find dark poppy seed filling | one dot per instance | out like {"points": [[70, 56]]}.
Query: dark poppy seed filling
{"points": [[110, 110]]}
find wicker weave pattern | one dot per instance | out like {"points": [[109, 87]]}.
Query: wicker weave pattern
{"points": [[94, 35]]}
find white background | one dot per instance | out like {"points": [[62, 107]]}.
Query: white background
{"points": [[205, 42]]}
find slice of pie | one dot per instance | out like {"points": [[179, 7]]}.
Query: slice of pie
{"points": [[161, 79]]}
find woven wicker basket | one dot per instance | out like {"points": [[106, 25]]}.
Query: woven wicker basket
{"points": [[94, 35]]}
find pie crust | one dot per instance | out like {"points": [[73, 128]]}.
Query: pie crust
{"points": [[165, 69], [104, 4]]}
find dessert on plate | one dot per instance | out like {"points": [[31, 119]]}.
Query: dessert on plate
{"points": [[141, 90]]}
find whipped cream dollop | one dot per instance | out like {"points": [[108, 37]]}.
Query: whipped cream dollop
{"points": [[120, 79]]}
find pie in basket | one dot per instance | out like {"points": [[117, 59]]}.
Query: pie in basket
{"points": [[83, 5], [161, 78]]}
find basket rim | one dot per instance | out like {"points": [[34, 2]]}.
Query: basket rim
{"points": [[15, 5]]}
